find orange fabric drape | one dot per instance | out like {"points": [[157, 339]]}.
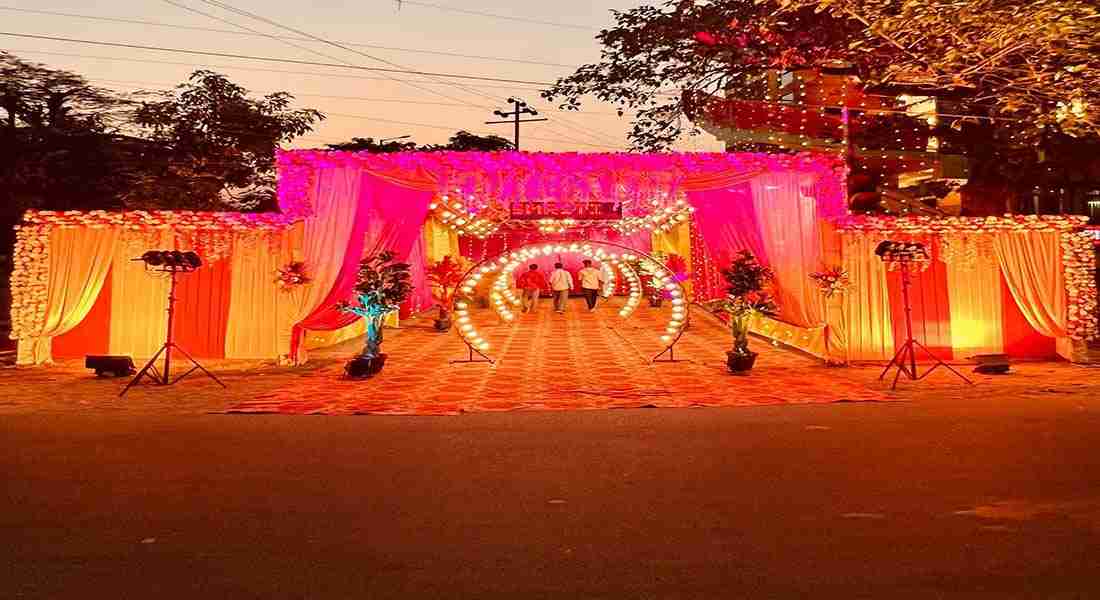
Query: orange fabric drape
{"points": [[1020, 338], [202, 310], [1032, 264], [974, 299], [93, 334], [931, 314]]}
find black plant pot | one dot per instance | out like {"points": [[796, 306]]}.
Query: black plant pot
{"points": [[740, 363], [656, 302], [363, 367], [443, 324]]}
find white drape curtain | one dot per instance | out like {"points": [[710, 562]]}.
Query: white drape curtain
{"points": [[866, 306], [139, 298], [1032, 265], [787, 212], [325, 236], [80, 259], [974, 297]]}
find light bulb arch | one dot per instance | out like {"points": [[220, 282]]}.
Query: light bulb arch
{"points": [[501, 297]]}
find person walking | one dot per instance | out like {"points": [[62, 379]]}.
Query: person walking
{"points": [[591, 279], [531, 283], [561, 282]]}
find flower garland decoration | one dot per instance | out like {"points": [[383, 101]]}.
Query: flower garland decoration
{"points": [[292, 276], [832, 280], [30, 279]]}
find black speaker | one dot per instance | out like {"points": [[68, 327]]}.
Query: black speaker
{"points": [[992, 364], [110, 366]]}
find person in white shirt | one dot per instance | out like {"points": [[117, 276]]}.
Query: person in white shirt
{"points": [[591, 278], [560, 283]]}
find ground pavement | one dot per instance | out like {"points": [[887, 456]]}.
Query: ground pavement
{"points": [[987, 492]]}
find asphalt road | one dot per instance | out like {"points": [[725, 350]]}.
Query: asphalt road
{"points": [[982, 499]]}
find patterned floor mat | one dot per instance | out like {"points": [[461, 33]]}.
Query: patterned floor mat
{"points": [[546, 361]]}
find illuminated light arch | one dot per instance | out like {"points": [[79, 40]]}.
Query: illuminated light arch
{"points": [[502, 298]]}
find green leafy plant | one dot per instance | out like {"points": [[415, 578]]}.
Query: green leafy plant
{"points": [[746, 296], [382, 286]]}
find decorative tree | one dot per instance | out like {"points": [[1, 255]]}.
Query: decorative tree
{"points": [[382, 286], [444, 276], [747, 296]]}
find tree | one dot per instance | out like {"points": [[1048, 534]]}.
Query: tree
{"points": [[461, 141], [1002, 81], [699, 49], [1034, 60], [358, 144], [464, 141], [218, 144]]}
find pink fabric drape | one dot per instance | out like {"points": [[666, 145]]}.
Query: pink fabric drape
{"points": [[1032, 266], [787, 212], [727, 221], [388, 217]]}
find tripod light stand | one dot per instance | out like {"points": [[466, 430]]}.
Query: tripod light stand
{"points": [[172, 262], [904, 254]]}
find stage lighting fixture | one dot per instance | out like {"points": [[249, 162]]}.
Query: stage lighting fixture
{"points": [[901, 251], [171, 259], [991, 364], [110, 366]]}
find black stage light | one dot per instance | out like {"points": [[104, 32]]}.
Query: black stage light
{"points": [[192, 260], [991, 364], [153, 258], [110, 366], [362, 367], [901, 251]]}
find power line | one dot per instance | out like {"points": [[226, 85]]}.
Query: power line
{"points": [[293, 38], [495, 16], [165, 86], [241, 68], [230, 8], [266, 58]]}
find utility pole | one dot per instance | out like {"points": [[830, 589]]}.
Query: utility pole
{"points": [[520, 109]]}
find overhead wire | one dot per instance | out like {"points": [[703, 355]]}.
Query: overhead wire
{"points": [[265, 58], [228, 7], [261, 18], [477, 13], [300, 39]]}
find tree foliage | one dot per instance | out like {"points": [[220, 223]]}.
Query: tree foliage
{"points": [[218, 143], [1031, 60], [656, 60], [461, 141], [1034, 60], [381, 287]]}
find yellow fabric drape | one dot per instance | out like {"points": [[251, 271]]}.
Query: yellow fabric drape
{"points": [[79, 261], [866, 307], [677, 241], [439, 241], [974, 297], [258, 308], [1032, 265], [139, 298]]}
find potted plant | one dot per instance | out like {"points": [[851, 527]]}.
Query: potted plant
{"points": [[747, 297], [444, 276], [381, 287]]}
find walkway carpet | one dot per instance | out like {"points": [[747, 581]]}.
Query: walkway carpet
{"points": [[577, 361]]}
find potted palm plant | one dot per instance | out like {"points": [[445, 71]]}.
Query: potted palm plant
{"points": [[444, 276], [381, 288], [747, 296]]}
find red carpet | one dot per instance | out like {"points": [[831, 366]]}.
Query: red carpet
{"points": [[576, 361]]}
